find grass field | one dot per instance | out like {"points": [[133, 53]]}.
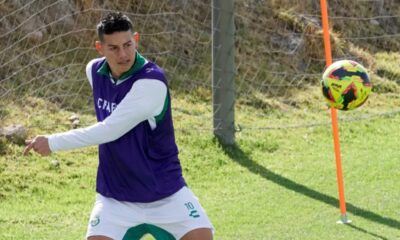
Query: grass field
{"points": [[277, 183]]}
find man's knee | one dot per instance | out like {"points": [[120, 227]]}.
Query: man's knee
{"points": [[99, 238], [199, 234]]}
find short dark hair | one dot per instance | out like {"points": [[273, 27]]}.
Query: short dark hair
{"points": [[113, 22]]}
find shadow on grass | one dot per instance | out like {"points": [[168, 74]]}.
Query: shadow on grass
{"points": [[366, 232], [237, 155]]}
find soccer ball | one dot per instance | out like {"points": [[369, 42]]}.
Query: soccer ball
{"points": [[345, 85]]}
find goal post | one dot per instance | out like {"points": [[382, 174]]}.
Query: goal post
{"points": [[223, 70]]}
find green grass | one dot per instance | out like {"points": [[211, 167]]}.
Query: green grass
{"points": [[386, 65], [277, 183]]}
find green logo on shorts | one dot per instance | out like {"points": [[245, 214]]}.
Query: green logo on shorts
{"points": [[193, 212], [95, 221]]}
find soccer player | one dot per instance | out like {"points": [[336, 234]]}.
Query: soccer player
{"points": [[140, 187]]}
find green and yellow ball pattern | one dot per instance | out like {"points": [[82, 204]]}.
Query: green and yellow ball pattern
{"points": [[346, 85]]}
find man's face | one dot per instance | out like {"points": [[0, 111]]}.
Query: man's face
{"points": [[119, 48]]}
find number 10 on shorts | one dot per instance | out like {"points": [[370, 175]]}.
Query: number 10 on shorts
{"points": [[192, 211]]}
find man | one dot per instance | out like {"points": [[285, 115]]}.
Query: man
{"points": [[139, 180]]}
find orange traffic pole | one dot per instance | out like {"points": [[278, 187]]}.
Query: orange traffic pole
{"points": [[335, 125]]}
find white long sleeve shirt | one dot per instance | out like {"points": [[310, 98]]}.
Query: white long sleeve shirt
{"points": [[144, 101]]}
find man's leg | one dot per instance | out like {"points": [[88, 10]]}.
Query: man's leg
{"points": [[199, 234], [99, 238]]}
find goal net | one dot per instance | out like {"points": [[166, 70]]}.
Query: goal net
{"points": [[45, 46]]}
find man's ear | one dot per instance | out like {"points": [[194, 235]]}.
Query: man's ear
{"points": [[136, 38], [99, 47]]}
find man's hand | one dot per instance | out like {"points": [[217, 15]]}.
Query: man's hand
{"points": [[39, 144]]}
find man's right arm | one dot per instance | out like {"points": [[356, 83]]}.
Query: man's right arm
{"points": [[41, 143], [145, 100]]}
